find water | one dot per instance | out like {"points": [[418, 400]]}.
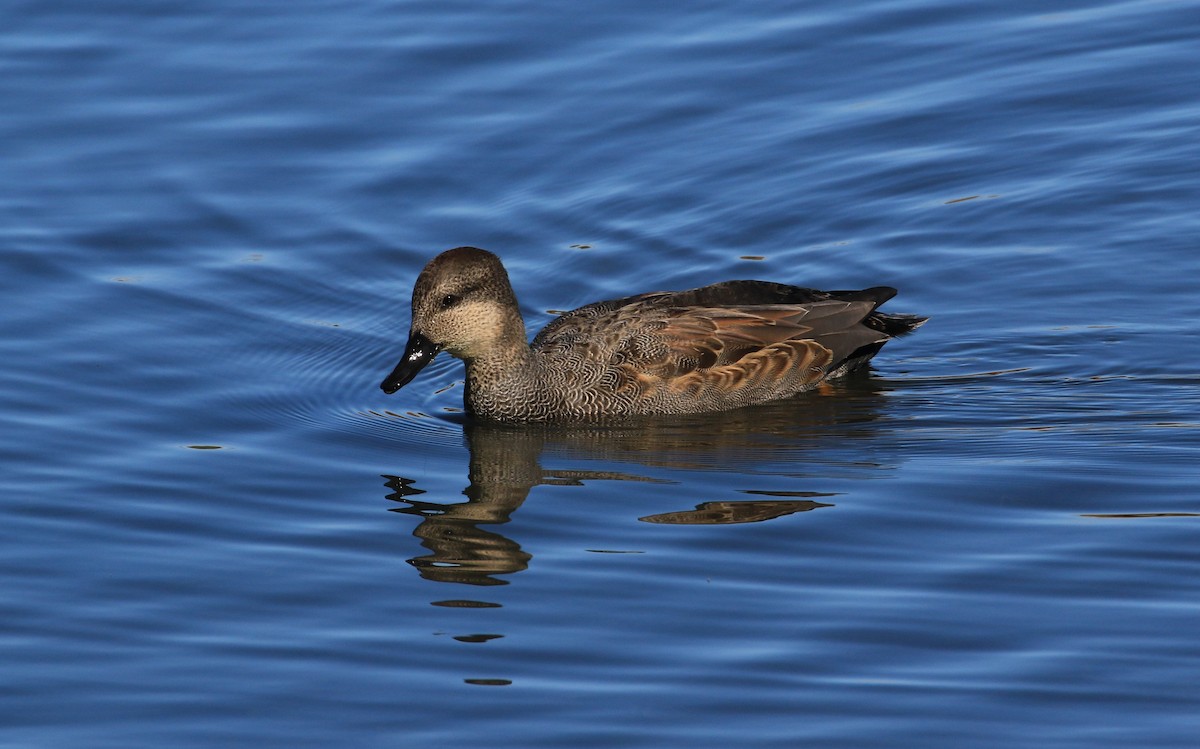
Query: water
{"points": [[218, 532]]}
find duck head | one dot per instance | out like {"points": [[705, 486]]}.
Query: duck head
{"points": [[462, 303]]}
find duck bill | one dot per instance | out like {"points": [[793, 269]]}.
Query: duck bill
{"points": [[419, 352]]}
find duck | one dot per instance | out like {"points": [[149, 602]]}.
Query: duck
{"points": [[713, 348]]}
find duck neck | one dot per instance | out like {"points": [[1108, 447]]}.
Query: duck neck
{"points": [[502, 383]]}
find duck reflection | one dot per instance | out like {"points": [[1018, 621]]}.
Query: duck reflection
{"points": [[505, 464], [503, 468]]}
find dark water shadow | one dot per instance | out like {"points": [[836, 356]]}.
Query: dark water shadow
{"points": [[506, 463]]}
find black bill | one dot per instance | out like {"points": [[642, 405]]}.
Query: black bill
{"points": [[419, 352]]}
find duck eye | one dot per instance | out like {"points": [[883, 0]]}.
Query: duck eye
{"points": [[450, 300]]}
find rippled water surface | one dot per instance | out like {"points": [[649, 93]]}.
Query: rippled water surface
{"points": [[219, 532]]}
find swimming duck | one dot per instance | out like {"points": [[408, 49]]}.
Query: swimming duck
{"points": [[713, 348]]}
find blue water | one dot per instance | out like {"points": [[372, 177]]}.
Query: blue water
{"points": [[219, 532]]}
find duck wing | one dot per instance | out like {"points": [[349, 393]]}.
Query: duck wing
{"points": [[728, 295], [735, 294], [728, 334], [779, 337]]}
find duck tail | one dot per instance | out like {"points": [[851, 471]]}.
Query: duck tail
{"points": [[894, 325], [891, 325]]}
